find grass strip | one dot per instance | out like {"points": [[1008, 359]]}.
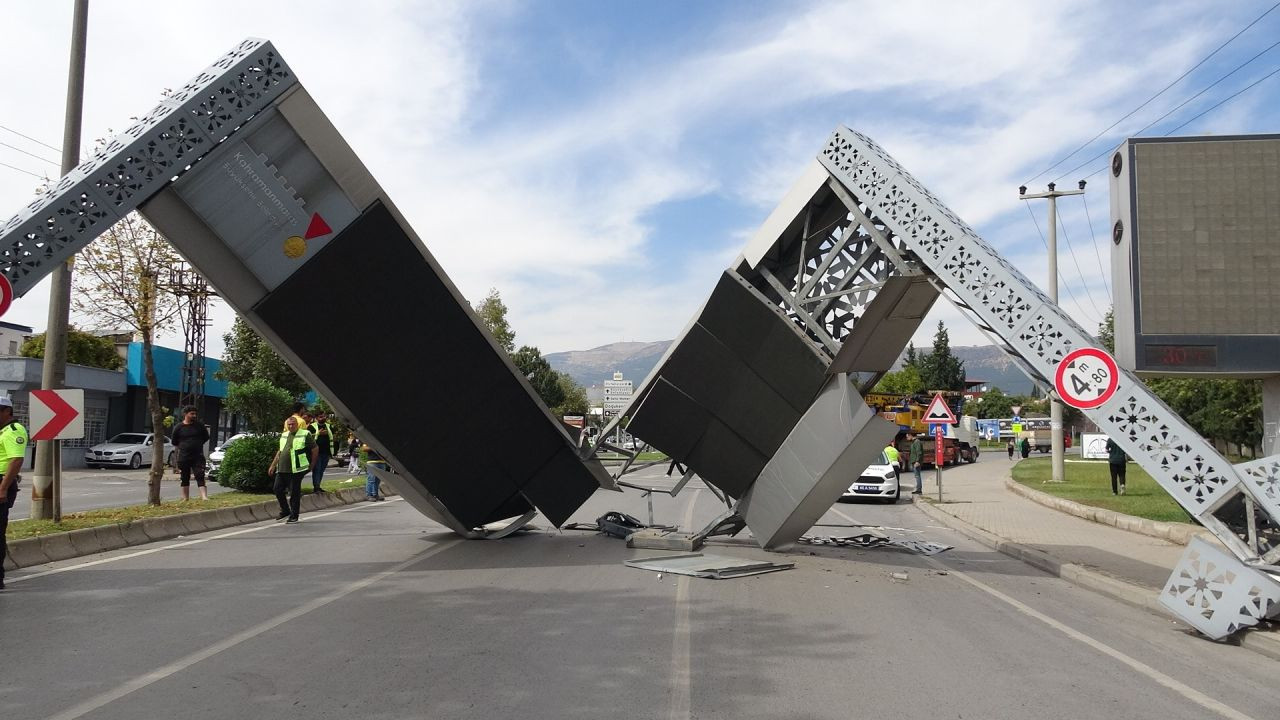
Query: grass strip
{"points": [[1088, 482], [28, 528]]}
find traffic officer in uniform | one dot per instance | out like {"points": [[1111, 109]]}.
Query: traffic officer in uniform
{"points": [[296, 455], [13, 450], [326, 445]]}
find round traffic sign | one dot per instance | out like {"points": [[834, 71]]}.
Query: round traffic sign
{"points": [[6, 294], [1086, 378]]}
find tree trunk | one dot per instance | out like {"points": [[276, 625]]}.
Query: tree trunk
{"points": [[156, 475]]}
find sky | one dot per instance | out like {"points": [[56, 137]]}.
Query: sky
{"points": [[600, 163]]}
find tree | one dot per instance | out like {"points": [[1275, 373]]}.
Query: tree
{"points": [[82, 349], [248, 356], [493, 312], [120, 285], [906, 381], [995, 404], [1107, 331], [941, 370], [263, 405], [545, 381], [575, 397]]}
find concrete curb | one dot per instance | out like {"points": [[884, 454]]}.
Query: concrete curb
{"points": [[1180, 533], [1263, 642], [89, 541]]}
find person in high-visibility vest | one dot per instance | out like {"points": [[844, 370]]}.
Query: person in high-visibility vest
{"points": [[326, 446], [13, 450], [372, 481], [295, 457], [894, 456]]}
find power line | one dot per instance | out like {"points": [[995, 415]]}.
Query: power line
{"points": [[1070, 250], [1046, 247], [1102, 271], [1229, 98], [1153, 97], [28, 172], [24, 152], [1095, 158], [28, 137]]}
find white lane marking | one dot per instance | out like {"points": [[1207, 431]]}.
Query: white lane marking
{"points": [[181, 664], [679, 708], [1155, 675], [265, 524]]}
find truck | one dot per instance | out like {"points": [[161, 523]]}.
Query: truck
{"points": [[960, 443], [1042, 439]]}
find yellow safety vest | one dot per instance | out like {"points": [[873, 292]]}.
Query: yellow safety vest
{"points": [[297, 455], [13, 443], [892, 452]]}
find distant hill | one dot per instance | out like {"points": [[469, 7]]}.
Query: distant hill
{"points": [[592, 367], [635, 359]]}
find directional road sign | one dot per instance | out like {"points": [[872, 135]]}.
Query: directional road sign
{"points": [[57, 414], [1086, 378], [939, 412]]}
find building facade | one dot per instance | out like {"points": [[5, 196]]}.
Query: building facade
{"points": [[12, 338]]}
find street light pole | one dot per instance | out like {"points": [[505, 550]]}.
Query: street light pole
{"points": [[1055, 404], [53, 372]]}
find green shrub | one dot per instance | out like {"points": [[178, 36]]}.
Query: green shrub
{"points": [[244, 467]]}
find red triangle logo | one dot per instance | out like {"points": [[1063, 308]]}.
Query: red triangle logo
{"points": [[317, 227]]}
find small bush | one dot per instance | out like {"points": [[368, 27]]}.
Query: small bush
{"points": [[244, 467]]}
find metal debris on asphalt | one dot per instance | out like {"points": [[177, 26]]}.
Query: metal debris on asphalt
{"points": [[876, 539], [715, 567]]}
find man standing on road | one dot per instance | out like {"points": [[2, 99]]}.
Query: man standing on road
{"points": [[325, 445], [915, 457], [1116, 459], [13, 450], [190, 438], [296, 454]]}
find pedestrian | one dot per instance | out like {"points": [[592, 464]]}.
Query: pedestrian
{"points": [[1010, 447], [299, 414], [190, 438], [1116, 459], [372, 482], [296, 454], [322, 431], [915, 457], [13, 450], [894, 457], [1025, 448], [353, 454]]}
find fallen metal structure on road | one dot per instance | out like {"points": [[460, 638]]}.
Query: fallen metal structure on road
{"points": [[759, 396]]}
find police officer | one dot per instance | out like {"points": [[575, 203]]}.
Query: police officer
{"points": [[296, 455], [895, 458], [326, 445], [13, 450]]}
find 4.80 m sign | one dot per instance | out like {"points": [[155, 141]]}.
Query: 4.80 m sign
{"points": [[1086, 378]]}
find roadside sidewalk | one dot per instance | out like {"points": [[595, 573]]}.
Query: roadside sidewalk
{"points": [[1124, 565]]}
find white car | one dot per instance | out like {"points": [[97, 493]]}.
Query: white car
{"points": [[215, 457], [879, 480], [128, 449]]}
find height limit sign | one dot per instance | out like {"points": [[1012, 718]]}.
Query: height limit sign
{"points": [[1086, 378]]}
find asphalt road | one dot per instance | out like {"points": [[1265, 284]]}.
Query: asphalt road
{"points": [[372, 611]]}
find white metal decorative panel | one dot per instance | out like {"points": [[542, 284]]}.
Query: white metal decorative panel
{"points": [[141, 161], [1216, 595]]}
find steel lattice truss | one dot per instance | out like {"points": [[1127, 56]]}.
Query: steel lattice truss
{"points": [[828, 278]]}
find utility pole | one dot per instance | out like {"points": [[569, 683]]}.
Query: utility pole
{"points": [[53, 374], [1055, 404]]}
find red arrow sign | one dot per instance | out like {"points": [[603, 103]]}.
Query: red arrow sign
{"points": [[51, 414]]}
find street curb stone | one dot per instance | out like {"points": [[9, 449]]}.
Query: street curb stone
{"points": [[1180, 533], [29, 552], [1260, 641]]}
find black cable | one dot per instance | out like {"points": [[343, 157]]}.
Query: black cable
{"points": [[1046, 249], [24, 152], [1153, 97], [1071, 250], [1102, 271], [28, 137], [1229, 98], [28, 172]]}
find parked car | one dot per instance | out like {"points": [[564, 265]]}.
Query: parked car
{"points": [[879, 480], [129, 449], [215, 457]]}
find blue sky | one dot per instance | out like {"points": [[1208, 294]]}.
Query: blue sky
{"points": [[601, 162]]}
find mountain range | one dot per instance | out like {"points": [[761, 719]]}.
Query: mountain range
{"points": [[635, 359]]}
